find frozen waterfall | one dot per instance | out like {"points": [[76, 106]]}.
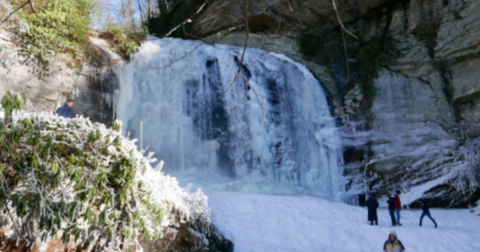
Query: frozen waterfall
{"points": [[190, 125]]}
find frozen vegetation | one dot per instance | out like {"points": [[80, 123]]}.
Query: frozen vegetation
{"points": [[78, 179]]}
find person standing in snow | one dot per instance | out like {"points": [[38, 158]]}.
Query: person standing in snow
{"points": [[391, 208], [426, 211], [372, 205], [393, 244], [398, 207], [66, 109]]}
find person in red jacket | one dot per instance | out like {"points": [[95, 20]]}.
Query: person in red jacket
{"points": [[398, 207]]}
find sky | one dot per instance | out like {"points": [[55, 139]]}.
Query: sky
{"points": [[113, 8]]}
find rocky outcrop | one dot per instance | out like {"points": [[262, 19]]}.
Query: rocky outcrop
{"points": [[424, 110], [417, 127], [413, 149], [291, 15], [89, 85]]}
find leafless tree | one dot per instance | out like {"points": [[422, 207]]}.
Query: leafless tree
{"points": [[128, 13]]}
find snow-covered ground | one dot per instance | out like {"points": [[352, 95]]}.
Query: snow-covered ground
{"points": [[294, 222]]}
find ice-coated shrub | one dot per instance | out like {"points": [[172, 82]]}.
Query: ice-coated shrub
{"points": [[85, 182]]}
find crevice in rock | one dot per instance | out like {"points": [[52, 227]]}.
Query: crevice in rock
{"points": [[406, 7]]}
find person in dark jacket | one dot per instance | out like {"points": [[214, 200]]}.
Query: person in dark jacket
{"points": [[66, 109], [372, 205], [398, 207], [393, 244], [426, 211], [391, 208]]}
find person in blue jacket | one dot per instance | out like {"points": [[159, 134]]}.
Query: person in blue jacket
{"points": [[391, 208], [66, 110], [426, 211], [372, 205]]}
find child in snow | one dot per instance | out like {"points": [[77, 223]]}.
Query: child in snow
{"points": [[372, 205], [398, 207], [393, 244], [391, 208], [426, 211]]}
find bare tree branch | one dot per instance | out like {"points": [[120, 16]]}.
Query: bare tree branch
{"points": [[189, 35], [181, 58], [13, 12], [258, 99], [289, 5], [15, 226], [346, 55], [176, 27], [186, 21], [244, 49], [340, 21], [279, 24], [142, 18], [34, 12]]}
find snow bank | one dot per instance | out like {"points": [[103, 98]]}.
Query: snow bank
{"points": [[259, 223], [278, 222]]}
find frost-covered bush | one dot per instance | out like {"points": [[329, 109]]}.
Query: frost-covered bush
{"points": [[86, 182], [465, 175], [12, 102]]}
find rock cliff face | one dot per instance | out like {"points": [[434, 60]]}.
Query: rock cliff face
{"points": [[426, 105], [419, 131], [88, 85], [290, 14]]}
